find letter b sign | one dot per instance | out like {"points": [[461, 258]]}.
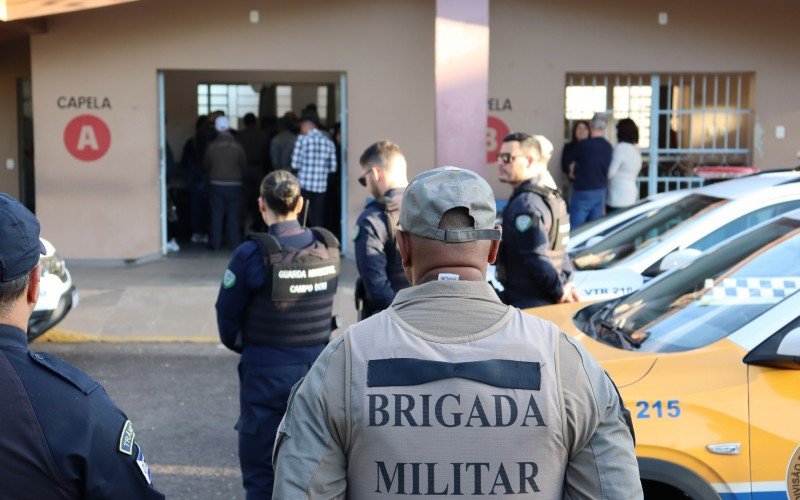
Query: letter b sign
{"points": [[87, 137]]}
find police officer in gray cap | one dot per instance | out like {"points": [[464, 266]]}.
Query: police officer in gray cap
{"points": [[449, 391], [61, 436]]}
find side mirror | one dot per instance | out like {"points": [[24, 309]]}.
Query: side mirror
{"points": [[778, 351], [679, 258]]}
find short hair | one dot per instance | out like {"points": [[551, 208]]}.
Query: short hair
{"points": [[599, 121], [456, 218], [250, 119], [540, 143], [12, 290], [380, 153], [280, 190], [627, 131]]}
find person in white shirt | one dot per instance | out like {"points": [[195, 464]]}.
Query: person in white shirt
{"points": [[625, 166]]}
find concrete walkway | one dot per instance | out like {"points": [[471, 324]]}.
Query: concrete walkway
{"points": [[168, 300]]}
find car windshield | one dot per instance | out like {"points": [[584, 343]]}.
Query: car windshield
{"points": [[645, 231], [590, 225], [714, 296]]}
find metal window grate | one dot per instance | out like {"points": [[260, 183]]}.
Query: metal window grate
{"points": [[236, 100], [699, 119]]}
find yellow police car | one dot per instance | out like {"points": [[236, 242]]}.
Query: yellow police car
{"points": [[707, 359]]}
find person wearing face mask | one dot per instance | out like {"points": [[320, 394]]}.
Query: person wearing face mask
{"points": [[532, 263], [379, 265]]}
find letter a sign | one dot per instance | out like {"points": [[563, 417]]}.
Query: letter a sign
{"points": [[87, 137]]}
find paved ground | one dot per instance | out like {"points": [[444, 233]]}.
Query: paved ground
{"points": [[171, 299], [183, 401]]}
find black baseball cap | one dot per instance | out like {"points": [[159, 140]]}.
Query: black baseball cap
{"points": [[20, 246]]}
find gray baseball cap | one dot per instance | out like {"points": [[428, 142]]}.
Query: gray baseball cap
{"points": [[430, 194]]}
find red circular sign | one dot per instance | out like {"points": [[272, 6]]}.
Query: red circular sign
{"points": [[87, 137], [495, 131]]}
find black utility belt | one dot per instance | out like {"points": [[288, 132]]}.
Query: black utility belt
{"points": [[304, 281]]}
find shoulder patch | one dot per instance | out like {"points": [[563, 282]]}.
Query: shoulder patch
{"points": [[126, 438], [71, 374], [356, 232], [148, 476], [228, 279], [523, 223]]}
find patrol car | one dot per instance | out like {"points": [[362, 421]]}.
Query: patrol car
{"points": [[707, 359], [678, 232], [57, 294], [592, 232]]}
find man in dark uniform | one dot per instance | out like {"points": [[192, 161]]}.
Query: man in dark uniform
{"points": [[532, 264], [379, 265], [275, 308], [61, 436]]}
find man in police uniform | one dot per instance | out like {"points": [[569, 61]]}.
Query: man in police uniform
{"points": [[532, 264], [61, 436], [450, 392], [380, 270], [275, 308]]}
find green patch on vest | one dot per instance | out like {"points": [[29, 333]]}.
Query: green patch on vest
{"points": [[356, 232], [126, 438], [523, 223], [228, 279]]}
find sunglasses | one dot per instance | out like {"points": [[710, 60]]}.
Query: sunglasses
{"points": [[363, 179], [507, 158]]}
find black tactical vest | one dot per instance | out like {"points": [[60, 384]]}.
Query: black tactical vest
{"points": [[295, 305], [394, 263], [557, 236]]}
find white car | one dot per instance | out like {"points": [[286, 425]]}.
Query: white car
{"points": [[593, 232], [57, 294], [679, 232]]}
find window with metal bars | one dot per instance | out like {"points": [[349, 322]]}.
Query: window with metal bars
{"points": [[685, 120], [236, 100]]}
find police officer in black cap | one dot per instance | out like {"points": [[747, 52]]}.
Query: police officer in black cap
{"points": [[532, 263], [379, 265], [275, 308], [61, 436]]}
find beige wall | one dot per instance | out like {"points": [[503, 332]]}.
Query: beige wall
{"points": [[14, 64], [109, 208], [534, 44]]}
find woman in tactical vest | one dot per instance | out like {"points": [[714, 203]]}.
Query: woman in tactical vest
{"points": [[275, 308]]}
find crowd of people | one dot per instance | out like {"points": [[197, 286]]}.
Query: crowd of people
{"points": [[441, 370], [214, 187], [601, 179]]}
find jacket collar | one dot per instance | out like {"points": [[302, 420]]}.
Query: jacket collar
{"points": [[11, 336]]}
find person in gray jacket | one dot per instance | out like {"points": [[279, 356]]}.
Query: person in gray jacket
{"points": [[226, 164], [449, 391]]}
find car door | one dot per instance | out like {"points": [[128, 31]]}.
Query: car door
{"points": [[774, 400]]}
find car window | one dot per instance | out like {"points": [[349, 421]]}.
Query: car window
{"points": [[643, 232], [712, 297], [744, 223]]}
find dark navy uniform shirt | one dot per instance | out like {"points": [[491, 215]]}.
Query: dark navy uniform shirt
{"points": [[530, 273], [61, 436], [592, 158], [244, 276], [377, 258]]}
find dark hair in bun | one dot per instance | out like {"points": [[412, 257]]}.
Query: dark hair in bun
{"points": [[280, 191]]}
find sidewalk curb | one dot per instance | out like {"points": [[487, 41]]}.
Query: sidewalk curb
{"points": [[58, 336]]}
